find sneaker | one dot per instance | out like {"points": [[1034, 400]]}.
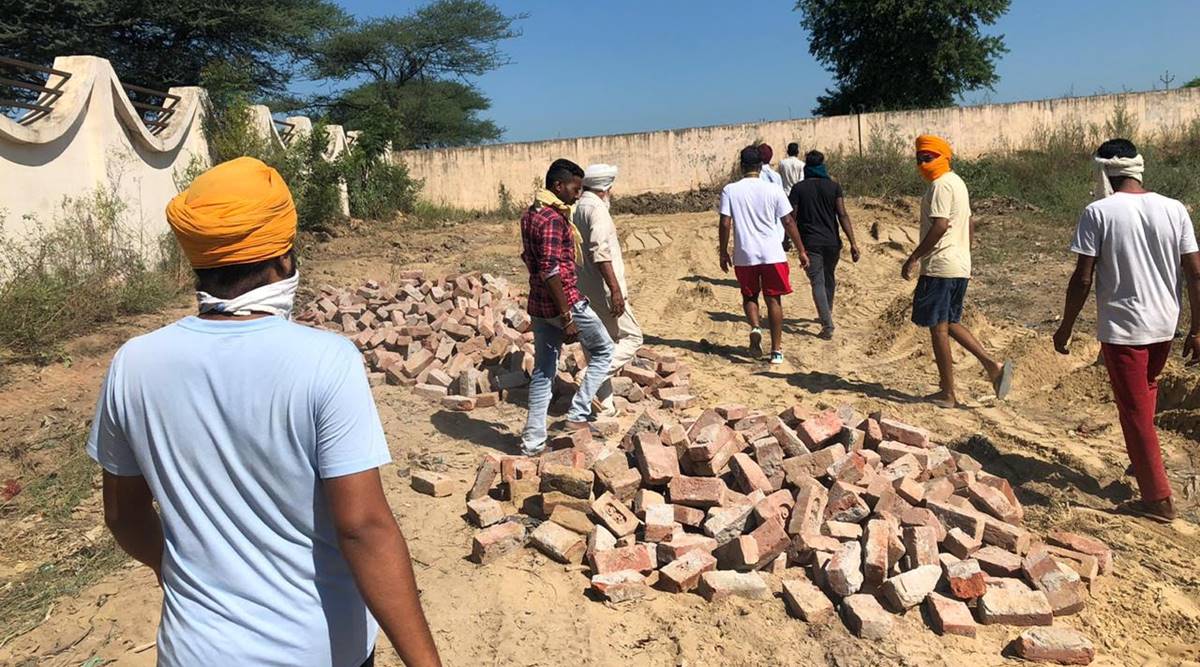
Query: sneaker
{"points": [[756, 350], [776, 358], [535, 450], [602, 411]]}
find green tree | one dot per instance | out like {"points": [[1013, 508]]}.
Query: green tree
{"points": [[161, 43], [1194, 83], [898, 54], [411, 73]]}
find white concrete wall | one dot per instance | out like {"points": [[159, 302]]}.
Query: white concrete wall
{"points": [[678, 160], [94, 138]]}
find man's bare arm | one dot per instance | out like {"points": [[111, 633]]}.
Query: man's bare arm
{"points": [[1191, 272], [374, 547], [725, 230], [937, 229], [131, 518], [1078, 289], [616, 300], [847, 227]]}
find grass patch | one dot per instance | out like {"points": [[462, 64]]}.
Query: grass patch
{"points": [[427, 215], [85, 268]]}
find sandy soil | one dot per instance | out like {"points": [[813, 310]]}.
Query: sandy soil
{"points": [[1056, 439]]}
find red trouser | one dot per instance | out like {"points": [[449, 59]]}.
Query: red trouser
{"points": [[1133, 371]]}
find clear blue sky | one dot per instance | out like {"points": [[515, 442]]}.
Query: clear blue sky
{"points": [[633, 65]]}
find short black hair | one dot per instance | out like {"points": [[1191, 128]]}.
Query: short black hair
{"points": [[814, 159], [750, 158], [562, 170], [227, 282], [793, 148], [1116, 148]]}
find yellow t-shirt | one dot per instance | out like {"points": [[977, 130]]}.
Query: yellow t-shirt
{"points": [[947, 197]]}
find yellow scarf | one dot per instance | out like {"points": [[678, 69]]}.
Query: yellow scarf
{"points": [[546, 198]]}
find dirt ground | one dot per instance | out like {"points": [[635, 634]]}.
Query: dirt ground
{"points": [[1056, 439]]}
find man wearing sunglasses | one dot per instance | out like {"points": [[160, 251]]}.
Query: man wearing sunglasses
{"points": [[944, 259]]}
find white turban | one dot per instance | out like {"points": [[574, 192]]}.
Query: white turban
{"points": [[1116, 167], [599, 176]]}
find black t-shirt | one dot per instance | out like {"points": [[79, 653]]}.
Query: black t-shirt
{"points": [[814, 201]]}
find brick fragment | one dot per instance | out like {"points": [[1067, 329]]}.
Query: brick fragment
{"points": [[876, 552], [496, 541], [908, 589], [485, 511], [1006, 536], [1064, 646], [1063, 587], [640, 558], [600, 539], [683, 574], [431, 483], [771, 540], [645, 498], [920, 546], [960, 543], [841, 530], [851, 468], [561, 544], [614, 515], [843, 571], [846, 503], [739, 553], [923, 516], [725, 523], [808, 512], [966, 579], [998, 562], [968, 521], [865, 617], [910, 490], [689, 516], [572, 519], [811, 465], [939, 489], [458, 403], [806, 601], [820, 429], [1001, 606], [748, 475], [681, 545], [893, 429], [660, 523], [701, 492], [949, 616], [570, 480], [719, 585], [621, 586], [991, 501], [1084, 545]]}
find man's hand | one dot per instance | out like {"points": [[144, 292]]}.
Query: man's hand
{"points": [[854, 254], [570, 331], [909, 266], [1062, 340], [616, 304], [725, 261], [1191, 349], [804, 259]]}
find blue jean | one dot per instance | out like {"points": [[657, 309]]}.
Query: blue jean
{"points": [[547, 344]]}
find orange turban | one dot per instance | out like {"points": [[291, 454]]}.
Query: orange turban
{"points": [[934, 144], [238, 212]]}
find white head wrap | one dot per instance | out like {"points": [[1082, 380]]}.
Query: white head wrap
{"points": [[273, 299], [599, 176], [1115, 167]]}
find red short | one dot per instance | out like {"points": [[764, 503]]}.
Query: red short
{"points": [[770, 279]]}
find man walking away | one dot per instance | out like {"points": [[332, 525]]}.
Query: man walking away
{"points": [[944, 255], [791, 168], [758, 214], [259, 441], [1134, 243], [766, 173], [560, 312], [820, 208], [602, 275]]}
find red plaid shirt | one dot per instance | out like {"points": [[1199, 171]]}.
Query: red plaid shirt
{"points": [[548, 250]]}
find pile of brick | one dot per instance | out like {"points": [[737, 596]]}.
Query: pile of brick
{"points": [[465, 340], [832, 511]]}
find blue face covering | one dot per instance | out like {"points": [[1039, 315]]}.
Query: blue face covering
{"points": [[818, 171]]}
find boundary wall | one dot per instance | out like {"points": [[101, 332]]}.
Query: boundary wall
{"points": [[94, 138], [680, 160]]}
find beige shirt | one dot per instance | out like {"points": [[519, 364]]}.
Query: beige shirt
{"points": [[600, 244], [947, 197], [791, 170]]}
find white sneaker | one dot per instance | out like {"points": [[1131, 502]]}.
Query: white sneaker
{"points": [[756, 350], [776, 358]]}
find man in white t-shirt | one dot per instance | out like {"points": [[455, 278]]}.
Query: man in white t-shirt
{"points": [[241, 457], [758, 214], [791, 168], [1139, 246], [944, 258]]}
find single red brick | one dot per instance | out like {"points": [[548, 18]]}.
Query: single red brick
{"points": [[681, 545], [640, 557], [702, 492], [1000, 606], [808, 512], [967, 581], [843, 572], [872, 433], [776, 506], [1063, 587], [559, 543], [900, 432], [570, 480], [967, 520], [683, 574], [771, 539], [1006, 536], [840, 530], [876, 552], [1061, 645], [910, 490], [851, 468], [657, 463], [806, 601], [819, 430], [1084, 545], [865, 617], [949, 617], [717, 585], [920, 546], [431, 483], [494, 542], [748, 475], [998, 562], [484, 512], [731, 412], [621, 586], [846, 503], [660, 523], [990, 501], [614, 515], [740, 553], [908, 589]]}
